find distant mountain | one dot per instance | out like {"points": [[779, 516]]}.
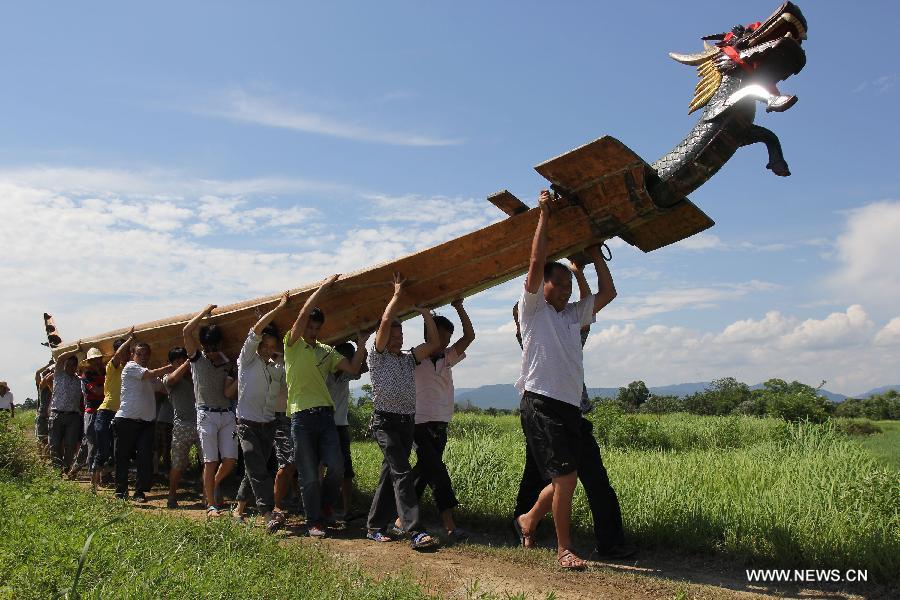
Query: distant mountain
{"points": [[879, 390], [505, 396]]}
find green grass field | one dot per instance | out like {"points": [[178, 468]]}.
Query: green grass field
{"points": [[761, 491], [45, 522], [755, 489], [885, 446]]}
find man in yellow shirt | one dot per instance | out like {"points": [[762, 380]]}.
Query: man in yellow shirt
{"points": [[307, 363], [112, 389]]}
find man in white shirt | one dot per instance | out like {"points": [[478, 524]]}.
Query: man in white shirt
{"points": [[552, 379], [434, 409], [6, 399], [134, 421], [260, 380]]}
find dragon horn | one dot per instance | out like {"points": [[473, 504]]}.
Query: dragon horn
{"points": [[694, 59]]}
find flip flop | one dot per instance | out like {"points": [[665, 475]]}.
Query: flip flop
{"points": [[423, 541], [378, 536]]}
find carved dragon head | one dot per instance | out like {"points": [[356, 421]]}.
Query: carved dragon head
{"points": [[760, 54]]}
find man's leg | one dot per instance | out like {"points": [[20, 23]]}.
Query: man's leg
{"points": [[433, 436], [397, 452], [228, 450], [90, 435], [284, 453], [256, 442], [145, 440], [384, 503], [306, 452], [332, 458], [74, 431], [552, 430], [183, 437], [56, 441], [530, 486], [605, 509], [127, 440], [207, 430], [347, 483], [563, 490]]}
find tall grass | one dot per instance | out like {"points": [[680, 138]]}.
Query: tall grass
{"points": [[757, 489]]}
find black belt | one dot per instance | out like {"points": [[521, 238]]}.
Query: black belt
{"points": [[213, 409], [405, 418], [316, 410], [254, 423]]}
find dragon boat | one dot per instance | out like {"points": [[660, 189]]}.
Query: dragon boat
{"points": [[601, 190]]}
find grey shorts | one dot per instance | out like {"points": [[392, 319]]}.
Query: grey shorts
{"points": [[184, 435]]}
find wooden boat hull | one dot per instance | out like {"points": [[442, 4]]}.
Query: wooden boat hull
{"points": [[603, 194]]}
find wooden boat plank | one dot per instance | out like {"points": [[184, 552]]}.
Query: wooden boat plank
{"points": [[611, 200], [507, 202]]}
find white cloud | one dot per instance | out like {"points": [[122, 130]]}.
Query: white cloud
{"points": [[155, 183], [867, 272], [672, 299], [889, 334], [241, 105], [701, 241], [880, 85], [835, 330], [749, 330]]}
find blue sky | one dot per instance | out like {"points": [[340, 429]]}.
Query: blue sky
{"points": [[154, 159]]}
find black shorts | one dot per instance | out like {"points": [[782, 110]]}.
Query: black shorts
{"points": [[344, 439], [553, 433]]}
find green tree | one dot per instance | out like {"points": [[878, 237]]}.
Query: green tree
{"points": [[794, 401], [634, 395]]}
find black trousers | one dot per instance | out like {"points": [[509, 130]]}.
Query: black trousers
{"points": [[602, 499], [131, 435], [431, 439], [396, 491]]}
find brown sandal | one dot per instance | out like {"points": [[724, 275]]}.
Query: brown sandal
{"points": [[525, 539], [570, 562]]}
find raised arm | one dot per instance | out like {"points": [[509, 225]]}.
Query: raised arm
{"points": [[156, 373], [468, 335], [231, 388], [303, 318], [62, 358], [191, 336], [606, 290], [424, 350], [584, 289], [121, 355], [269, 316], [383, 335], [535, 276], [176, 375], [353, 366]]}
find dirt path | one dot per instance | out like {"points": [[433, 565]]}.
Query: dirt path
{"points": [[489, 565]]}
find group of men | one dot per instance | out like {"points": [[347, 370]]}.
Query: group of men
{"points": [[290, 395]]}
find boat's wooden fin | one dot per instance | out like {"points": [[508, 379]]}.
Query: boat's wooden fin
{"points": [[672, 225], [507, 202], [586, 165]]}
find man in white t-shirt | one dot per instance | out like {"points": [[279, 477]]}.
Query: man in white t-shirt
{"points": [[134, 421], [6, 399], [552, 379], [434, 409]]}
